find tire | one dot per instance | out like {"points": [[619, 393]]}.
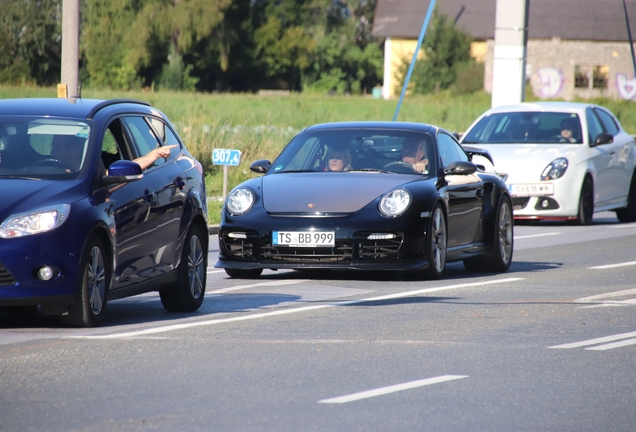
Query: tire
{"points": [[243, 273], [499, 257], [188, 294], [628, 214], [436, 239], [586, 203], [92, 286]]}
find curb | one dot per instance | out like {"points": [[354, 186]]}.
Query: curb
{"points": [[213, 229]]}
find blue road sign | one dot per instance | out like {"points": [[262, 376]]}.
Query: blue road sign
{"points": [[226, 157]]}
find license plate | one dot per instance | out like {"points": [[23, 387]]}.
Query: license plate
{"points": [[532, 189], [304, 238]]}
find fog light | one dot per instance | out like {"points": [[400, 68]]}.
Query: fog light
{"points": [[545, 203], [237, 235], [46, 273], [380, 236]]}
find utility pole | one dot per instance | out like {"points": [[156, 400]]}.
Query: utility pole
{"points": [[511, 39], [69, 83]]}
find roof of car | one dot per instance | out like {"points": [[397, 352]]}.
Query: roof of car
{"points": [[388, 125], [59, 107], [542, 106]]}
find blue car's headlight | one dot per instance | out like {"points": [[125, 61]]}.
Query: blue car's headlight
{"points": [[555, 170], [34, 222], [395, 202], [240, 201]]}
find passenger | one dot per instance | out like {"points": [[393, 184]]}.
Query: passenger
{"points": [[413, 153], [156, 153], [338, 159], [568, 129]]}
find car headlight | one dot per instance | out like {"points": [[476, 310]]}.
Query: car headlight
{"points": [[555, 170], [395, 202], [240, 201], [35, 222]]}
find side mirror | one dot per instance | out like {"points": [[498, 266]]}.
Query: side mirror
{"points": [[123, 171], [461, 168], [603, 138], [260, 166], [475, 151]]}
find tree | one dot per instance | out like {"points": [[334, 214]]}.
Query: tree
{"points": [[347, 58], [30, 41], [444, 49], [126, 39]]}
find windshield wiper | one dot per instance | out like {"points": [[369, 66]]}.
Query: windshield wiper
{"points": [[378, 170], [293, 171]]}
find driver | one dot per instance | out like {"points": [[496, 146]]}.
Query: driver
{"points": [[568, 128], [68, 149], [413, 154]]}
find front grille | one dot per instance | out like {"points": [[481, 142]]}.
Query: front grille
{"points": [[239, 248], [520, 203], [380, 249], [5, 277], [342, 252]]}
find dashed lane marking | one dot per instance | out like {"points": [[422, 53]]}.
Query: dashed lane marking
{"points": [[392, 389], [625, 338], [609, 266], [536, 235], [289, 311], [601, 300]]}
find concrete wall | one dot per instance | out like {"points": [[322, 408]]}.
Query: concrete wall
{"points": [[551, 68]]}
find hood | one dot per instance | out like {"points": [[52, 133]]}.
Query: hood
{"points": [[514, 159], [344, 192], [22, 195]]}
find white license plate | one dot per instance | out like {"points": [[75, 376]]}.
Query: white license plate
{"points": [[531, 189], [304, 238]]}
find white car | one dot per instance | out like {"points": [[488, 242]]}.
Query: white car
{"points": [[561, 160]]}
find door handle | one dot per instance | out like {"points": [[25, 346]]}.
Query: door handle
{"points": [[179, 182]]}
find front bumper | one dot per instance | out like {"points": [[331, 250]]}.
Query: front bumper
{"points": [[353, 249]]}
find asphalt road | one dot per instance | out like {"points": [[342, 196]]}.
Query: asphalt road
{"points": [[548, 346]]}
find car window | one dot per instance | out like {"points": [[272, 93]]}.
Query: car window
{"points": [[42, 148], [594, 126], [357, 150], [450, 151], [144, 136], [521, 127], [608, 121]]}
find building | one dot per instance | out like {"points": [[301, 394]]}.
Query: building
{"points": [[576, 48]]}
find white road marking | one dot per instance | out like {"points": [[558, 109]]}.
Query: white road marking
{"points": [[613, 345], [609, 266], [287, 311], [607, 303], [621, 226], [392, 389], [536, 235], [596, 341], [210, 271], [269, 283]]}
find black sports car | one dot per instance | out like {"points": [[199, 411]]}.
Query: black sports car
{"points": [[363, 196]]}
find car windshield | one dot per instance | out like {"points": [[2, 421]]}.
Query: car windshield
{"points": [[522, 127], [42, 148], [356, 150]]}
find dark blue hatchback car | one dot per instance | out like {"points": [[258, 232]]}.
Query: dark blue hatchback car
{"points": [[99, 200]]}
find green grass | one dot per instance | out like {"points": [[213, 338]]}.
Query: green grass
{"points": [[260, 126]]}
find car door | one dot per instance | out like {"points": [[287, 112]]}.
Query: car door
{"points": [[130, 206], [621, 164], [465, 195], [604, 159], [169, 185]]}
